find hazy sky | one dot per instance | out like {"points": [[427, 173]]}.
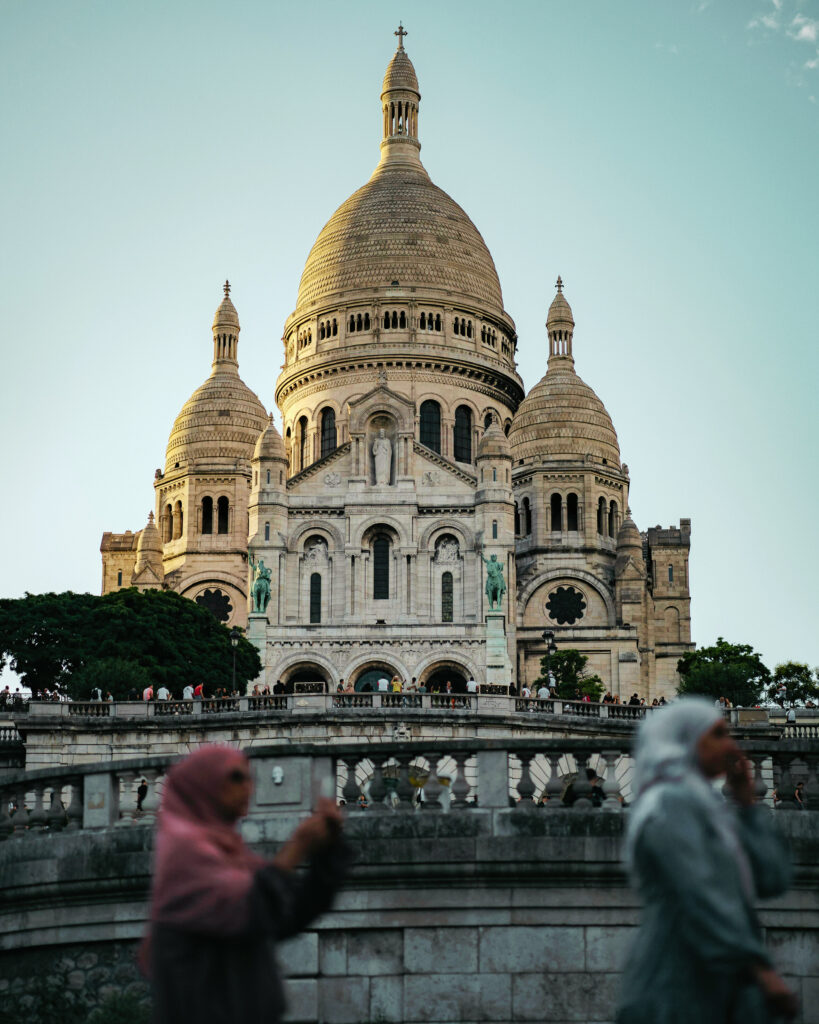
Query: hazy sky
{"points": [[660, 155]]}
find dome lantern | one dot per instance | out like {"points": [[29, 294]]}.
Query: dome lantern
{"points": [[399, 105], [226, 334], [560, 326]]}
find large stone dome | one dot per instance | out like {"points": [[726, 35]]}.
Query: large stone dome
{"points": [[400, 227]]}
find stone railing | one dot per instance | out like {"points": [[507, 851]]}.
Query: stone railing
{"points": [[432, 775], [301, 703]]}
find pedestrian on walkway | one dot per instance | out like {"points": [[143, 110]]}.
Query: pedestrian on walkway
{"points": [[215, 905], [700, 862]]}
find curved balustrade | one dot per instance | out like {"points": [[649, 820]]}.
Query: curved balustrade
{"points": [[541, 775]]}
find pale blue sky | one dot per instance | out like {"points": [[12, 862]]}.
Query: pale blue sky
{"points": [[661, 155]]}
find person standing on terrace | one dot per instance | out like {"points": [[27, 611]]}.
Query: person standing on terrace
{"points": [[699, 862], [215, 906]]}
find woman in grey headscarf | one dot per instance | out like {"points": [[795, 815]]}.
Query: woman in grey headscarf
{"points": [[699, 862]]}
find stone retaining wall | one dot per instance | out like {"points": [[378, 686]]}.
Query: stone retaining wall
{"points": [[497, 916]]}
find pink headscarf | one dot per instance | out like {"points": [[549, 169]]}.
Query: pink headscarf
{"points": [[204, 871]]}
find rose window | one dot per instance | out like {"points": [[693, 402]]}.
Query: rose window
{"points": [[565, 605], [217, 603]]}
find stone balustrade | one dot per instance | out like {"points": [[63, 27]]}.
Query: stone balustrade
{"points": [[302, 703], [447, 776]]}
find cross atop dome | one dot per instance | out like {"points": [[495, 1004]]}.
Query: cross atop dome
{"points": [[227, 289], [401, 33], [559, 283]]}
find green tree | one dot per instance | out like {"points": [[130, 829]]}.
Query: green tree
{"points": [[727, 670], [56, 639], [568, 668], [800, 682]]}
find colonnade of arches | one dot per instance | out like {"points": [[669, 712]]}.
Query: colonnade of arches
{"points": [[565, 514], [214, 517], [463, 439]]}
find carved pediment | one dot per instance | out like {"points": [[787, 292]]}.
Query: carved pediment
{"points": [[382, 399]]}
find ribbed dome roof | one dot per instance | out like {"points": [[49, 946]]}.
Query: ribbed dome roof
{"points": [[400, 73], [628, 536], [560, 312], [563, 418], [226, 315], [400, 227], [270, 444], [221, 420]]}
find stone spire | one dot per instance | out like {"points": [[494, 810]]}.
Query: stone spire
{"points": [[226, 335], [149, 549], [560, 326], [399, 105]]}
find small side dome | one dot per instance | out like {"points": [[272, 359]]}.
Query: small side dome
{"points": [[629, 545], [628, 536], [269, 444], [494, 443], [226, 315], [149, 546]]}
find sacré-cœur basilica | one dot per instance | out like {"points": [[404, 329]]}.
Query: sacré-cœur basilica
{"points": [[410, 458]]}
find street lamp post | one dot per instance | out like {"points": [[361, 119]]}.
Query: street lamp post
{"points": [[234, 643], [551, 648]]}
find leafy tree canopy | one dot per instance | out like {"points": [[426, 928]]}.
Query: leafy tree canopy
{"points": [[568, 669], [727, 670], [73, 640], [800, 682]]}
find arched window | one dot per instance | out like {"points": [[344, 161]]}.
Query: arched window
{"points": [[437, 321], [366, 321], [386, 321], [517, 520], [335, 327], [222, 506], [494, 475], [487, 421], [168, 524], [613, 519], [268, 476], [571, 512], [381, 569], [267, 531], [394, 319], [352, 324], [463, 434], [207, 515], [527, 517], [601, 516], [177, 520], [358, 322], [507, 427], [328, 431], [402, 319], [119, 578], [431, 425], [672, 626], [494, 529], [557, 512], [423, 324], [315, 597], [446, 597], [469, 329], [302, 442]]}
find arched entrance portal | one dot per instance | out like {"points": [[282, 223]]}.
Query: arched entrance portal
{"points": [[438, 676], [367, 679], [306, 679]]}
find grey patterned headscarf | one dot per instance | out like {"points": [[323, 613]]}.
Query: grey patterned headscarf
{"points": [[666, 755]]}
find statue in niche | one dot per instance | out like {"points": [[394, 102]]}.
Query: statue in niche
{"points": [[260, 590], [382, 453], [316, 551], [495, 583], [447, 550]]}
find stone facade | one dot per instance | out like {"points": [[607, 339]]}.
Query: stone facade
{"points": [[409, 458]]}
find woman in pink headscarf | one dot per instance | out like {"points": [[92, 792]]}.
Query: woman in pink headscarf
{"points": [[216, 905]]}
